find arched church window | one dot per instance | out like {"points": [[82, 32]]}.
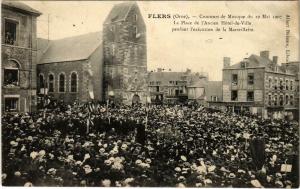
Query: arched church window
{"points": [[61, 82], [51, 83], [74, 82]]}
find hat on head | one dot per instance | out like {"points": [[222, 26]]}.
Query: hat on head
{"points": [[28, 184], [279, 183], [256, 184]]}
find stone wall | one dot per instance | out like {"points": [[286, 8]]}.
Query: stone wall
{"points": [[23, 51]]}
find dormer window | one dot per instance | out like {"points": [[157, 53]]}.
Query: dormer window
{"points": [[244, 64], [10, 32]]}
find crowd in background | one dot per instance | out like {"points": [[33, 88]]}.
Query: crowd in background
{"points": [[97, 145]]}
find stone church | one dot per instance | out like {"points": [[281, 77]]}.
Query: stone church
{"points": [[98, 66]]}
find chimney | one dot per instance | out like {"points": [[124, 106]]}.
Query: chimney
{"points": [[226, 62], [159, 69], [188, 71], [264, 54], [275, 59]]}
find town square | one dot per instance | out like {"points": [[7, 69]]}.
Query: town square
{"points": [[94, 109]]}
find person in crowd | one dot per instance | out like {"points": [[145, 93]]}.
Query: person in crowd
{"points": [[95, 145]]}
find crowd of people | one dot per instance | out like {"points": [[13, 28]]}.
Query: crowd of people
{"points": [[158, 145]]}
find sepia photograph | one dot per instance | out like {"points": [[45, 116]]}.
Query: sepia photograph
{"points": [[196, 94]]}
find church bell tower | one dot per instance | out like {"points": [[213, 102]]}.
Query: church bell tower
{"points": [[125, 55]]}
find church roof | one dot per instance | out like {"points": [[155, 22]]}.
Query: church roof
{"points": [[71, 48], [119, 12], [42, 46], [21, 7]]}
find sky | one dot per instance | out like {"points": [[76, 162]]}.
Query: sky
{"points": [[199, 51]]}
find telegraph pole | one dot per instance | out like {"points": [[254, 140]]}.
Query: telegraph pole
{"points": [[48, 27]]}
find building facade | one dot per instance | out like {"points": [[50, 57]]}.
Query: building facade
{"points": [[174, 87], [206, 93], [125, 55], [214, 93], [259, 85], [73, 76], [19, 57]]}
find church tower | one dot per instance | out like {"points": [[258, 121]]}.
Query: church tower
{"points": [[125, 55]]}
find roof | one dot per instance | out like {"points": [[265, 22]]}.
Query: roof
{"points": [[165, 77], [252, 61], [21, 7], [72, 48], [255, 61], [291, 67], [198, 84], [42, 46], [119, 12]]}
